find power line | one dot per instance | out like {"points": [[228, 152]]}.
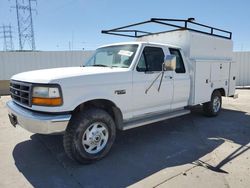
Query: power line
{"points": [[6, 34], [26, 33]]}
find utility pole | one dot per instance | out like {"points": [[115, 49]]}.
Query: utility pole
{"points": [[25, 25], [6, 34]]}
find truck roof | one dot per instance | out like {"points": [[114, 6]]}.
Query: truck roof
{"points": [[141, 43]]}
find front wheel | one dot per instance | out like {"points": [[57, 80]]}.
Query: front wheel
{"points": [[213, 107], [89, 135]]}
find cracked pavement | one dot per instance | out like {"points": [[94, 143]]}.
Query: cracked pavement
{"points": [[188, 151]]}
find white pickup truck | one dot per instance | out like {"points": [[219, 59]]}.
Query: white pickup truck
{"points": [[126, 85]]}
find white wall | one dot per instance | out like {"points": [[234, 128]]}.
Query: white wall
{"points": [[16, 62], [243, 70]]}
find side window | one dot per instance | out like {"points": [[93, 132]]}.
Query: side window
{"points": [[141, 66], [180, 68], [151, 60]]}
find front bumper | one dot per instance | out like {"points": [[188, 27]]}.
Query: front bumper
{"points": [[36, 122]]}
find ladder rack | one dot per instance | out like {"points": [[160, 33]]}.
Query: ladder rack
{"points": [[188, 24]]}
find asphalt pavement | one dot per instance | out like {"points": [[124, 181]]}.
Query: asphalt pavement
{"points": [[188, 151]]}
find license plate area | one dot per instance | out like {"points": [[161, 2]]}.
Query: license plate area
{"points": [[13, 119]]}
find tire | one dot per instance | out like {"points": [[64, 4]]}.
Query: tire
{"points": [[213, 107], [89, 135]]}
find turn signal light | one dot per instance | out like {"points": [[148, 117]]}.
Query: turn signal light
{"points": [[47, 101]]}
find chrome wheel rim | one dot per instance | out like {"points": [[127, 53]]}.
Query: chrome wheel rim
{"points": [[216, 104], [95, 137]]}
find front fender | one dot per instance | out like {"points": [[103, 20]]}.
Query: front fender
{"points": [[91, 96]]}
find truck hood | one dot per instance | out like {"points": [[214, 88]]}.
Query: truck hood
{"points": [[49, 75]]}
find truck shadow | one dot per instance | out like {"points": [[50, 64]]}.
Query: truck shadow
{"points": [[136, 154]]}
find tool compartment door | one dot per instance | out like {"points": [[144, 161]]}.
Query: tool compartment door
{"points": [[219, 71], [232, 78], [202, 87]]}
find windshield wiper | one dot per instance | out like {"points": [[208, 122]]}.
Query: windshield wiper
{"points": [[100, 65], [119, 66]]}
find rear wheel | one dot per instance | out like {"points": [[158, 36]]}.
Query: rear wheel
{"points": [[213, 107], [89, 135]]}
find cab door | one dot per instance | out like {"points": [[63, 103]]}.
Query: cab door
{"points": [[159, 97], [181, 81]]}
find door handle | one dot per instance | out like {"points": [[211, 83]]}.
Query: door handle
{"points": [[170, 77]]}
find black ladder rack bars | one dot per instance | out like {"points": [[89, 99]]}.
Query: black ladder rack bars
{"points": [[126, 32]]}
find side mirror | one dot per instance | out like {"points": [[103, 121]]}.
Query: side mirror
{"points": [[170, 63]]}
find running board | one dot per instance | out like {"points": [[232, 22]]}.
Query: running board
{"points": [[153, 119]]}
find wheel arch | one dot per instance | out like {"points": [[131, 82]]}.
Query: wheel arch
{"points": [[222, 91], [107, 105]]}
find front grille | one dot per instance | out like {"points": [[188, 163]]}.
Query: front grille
{"points": [[21, 92]]}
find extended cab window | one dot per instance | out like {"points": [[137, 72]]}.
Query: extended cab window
{"points": [[151, 59], [180, 68]]}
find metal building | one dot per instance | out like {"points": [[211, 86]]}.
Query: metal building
{"points": [[243, 71]]}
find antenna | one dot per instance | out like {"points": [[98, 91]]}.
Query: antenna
{"points": [[25, 24], [6, 34]]}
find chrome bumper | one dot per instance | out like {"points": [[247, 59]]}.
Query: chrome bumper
{"points": [[36, 122]]}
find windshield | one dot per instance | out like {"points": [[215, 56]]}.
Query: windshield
{"points": [[113, 56]]}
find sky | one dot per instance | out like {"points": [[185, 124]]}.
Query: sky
{"points": [[77, 24]]}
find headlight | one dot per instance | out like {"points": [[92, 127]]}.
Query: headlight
{"points": [[46, 96]]}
